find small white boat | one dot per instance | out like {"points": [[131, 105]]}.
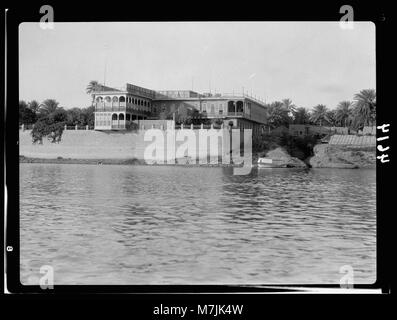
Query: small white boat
{"points": [[271, 163]]}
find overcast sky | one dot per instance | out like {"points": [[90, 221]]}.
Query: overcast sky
{"points": [[310, 63]]}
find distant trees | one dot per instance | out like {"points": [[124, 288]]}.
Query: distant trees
{"points": [[356, 114], [47, 107], [287, 103], [81, 117], [27, 115], [278, 114], [364, 111], [301, 116], [344, 113], [331, 118], [49, 118], [319, 114]]}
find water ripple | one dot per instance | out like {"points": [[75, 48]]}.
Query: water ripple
{"points": [[177, 225]]}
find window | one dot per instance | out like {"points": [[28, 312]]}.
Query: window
{"points": [[231, 106]]}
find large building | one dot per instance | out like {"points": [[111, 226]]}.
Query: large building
{"points": [[117, 109]]}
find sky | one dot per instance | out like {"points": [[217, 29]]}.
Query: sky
{"points": [[308, 62]]}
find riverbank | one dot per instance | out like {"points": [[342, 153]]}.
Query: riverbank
{"points": [[343, 156], [132, 161], [129, 149], [325, 156]]}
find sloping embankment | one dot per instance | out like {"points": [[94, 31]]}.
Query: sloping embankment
{"points": [[343, 156], [282, 155]]}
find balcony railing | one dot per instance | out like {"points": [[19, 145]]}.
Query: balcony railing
{"points": [[118, 126], [122, 108], [109, 109], [237, 114], [226, 114]]}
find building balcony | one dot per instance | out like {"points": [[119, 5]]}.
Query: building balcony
{"points": [[226, 114], [121, 108], [110, 109]]}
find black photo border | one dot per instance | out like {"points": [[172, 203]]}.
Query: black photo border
{"points": [[69, 12]]}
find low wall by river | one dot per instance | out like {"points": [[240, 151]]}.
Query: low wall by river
{"points": [[186, 145]]}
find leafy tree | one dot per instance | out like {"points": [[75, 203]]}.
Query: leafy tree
{"points": [[319, 114], [74, 116], [59, 115], [46, 127], [278, 115], [26, 115], [88, 116], [364, 112], [34, 106]]}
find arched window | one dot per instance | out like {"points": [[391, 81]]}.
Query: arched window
{"points": [[108, 99], [122, 99], [99, 99], [114, 116], [115, 99], [121, 116], [240, 106]]}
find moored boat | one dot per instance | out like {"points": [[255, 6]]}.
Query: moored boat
{"points": [[271, 163]]}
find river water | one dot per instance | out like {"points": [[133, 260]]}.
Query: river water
{"points": [[115, 224]]}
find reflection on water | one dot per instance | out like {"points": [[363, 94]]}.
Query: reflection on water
{"points": [[180, 225]]}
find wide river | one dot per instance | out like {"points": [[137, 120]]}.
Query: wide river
{"points": [[115, 224]]}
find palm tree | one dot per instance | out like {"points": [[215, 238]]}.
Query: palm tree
{"points": [[34, 106], [301, 116], [93, 86], [331, 118], [48, 106], [287, 103], [319, 114], [278, 114], [343, 112], [365, 108]]}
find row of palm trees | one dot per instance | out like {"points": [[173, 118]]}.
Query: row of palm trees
{"points": [[355, 114]]}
